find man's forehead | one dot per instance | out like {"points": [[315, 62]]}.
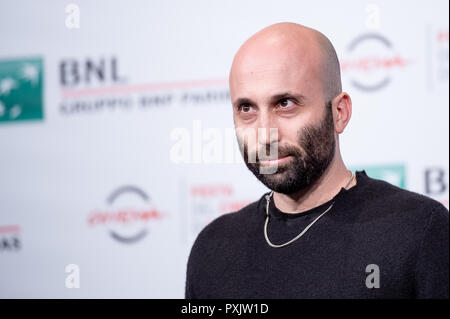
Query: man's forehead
{"points": [[286, 60], [259, 69], [272, 74], [274, 55], [266, 84]]}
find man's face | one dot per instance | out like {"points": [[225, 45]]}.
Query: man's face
{"points": [[274, 90]]}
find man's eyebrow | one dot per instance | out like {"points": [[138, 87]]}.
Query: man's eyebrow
{"points": [[285, 95], [242, 100], [273, 99]]}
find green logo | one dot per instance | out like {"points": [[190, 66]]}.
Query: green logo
{"points": [[21, 82], [394, 174]]}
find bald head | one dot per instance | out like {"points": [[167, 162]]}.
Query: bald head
{"points": [[296, 47], [285, 88]]}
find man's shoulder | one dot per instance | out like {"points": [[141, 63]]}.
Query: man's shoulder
{"points": [[228, 226], [218, 244], [381, 195], [229, 222], [381, 190]]}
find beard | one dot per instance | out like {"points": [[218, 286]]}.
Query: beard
{"points": [[310, 158]]}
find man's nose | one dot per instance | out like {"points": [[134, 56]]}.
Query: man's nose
{"points": [[268, 132]]}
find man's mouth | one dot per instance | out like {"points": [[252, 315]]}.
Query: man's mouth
{"points": [[275, 161]]}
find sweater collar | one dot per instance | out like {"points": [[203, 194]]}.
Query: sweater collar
{"points": [[361, 180]]}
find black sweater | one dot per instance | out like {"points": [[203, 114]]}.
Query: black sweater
{"points": [[404, 234]]}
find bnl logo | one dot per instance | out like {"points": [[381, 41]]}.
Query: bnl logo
{"points": [[74, 73], [21, 83]]}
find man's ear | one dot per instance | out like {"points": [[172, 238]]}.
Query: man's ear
{"points": [[342, 111]]}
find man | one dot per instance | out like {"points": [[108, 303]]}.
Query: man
{"points": [[323, 232]]}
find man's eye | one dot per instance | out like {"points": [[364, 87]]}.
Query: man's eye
{"points": [[285, 103], [245, 108]]}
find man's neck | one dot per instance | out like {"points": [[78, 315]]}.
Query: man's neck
{"points": [[324, 189]]}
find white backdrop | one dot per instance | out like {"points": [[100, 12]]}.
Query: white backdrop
{"points": [[93, 98]]}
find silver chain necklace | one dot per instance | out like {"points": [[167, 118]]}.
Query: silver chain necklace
{"points": [[304, 230]]}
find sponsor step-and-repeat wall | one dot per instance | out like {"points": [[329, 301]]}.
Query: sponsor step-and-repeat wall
{"points": [[117, 139]]}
